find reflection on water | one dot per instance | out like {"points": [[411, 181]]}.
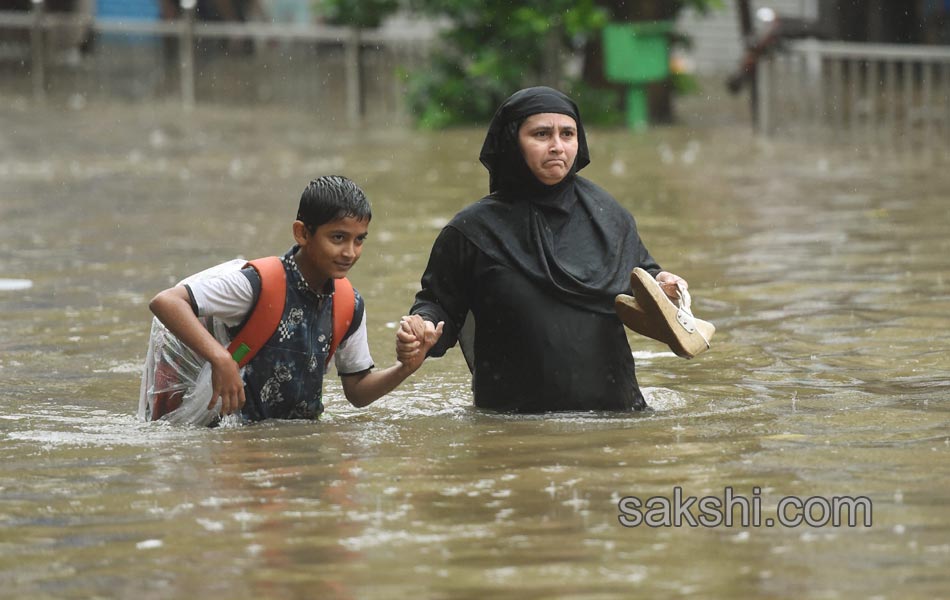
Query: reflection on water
{"points": [[825, 273]]}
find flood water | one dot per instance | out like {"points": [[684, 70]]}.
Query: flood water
{"points": [[826, 272]]}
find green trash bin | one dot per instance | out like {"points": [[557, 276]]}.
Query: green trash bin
{"points": [[637, 54]]}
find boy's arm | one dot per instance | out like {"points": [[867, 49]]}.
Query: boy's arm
{"points": [[173, 309], [362, 389]]}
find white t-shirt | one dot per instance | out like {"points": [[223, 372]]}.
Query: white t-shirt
{"points": [[229, 297]]}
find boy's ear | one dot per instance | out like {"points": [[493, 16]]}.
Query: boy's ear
{"points": [[301, 234]]}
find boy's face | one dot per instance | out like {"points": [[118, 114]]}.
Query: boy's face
{"points": [[331, 250]]}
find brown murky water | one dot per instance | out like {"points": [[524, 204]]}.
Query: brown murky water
{"points": [[827, 274]]}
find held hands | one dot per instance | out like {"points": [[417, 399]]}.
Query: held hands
{"points": [[414, 338], [668, 283]]}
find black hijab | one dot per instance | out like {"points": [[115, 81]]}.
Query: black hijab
{"points": [[571, 238]]}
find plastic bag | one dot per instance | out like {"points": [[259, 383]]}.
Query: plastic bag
{"points": [[176, 382]]}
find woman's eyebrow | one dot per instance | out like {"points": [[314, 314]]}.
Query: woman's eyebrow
{"points": [[552, 126]]}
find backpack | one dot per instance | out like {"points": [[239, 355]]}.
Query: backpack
{"points": [[265, 316], [174, 374]]}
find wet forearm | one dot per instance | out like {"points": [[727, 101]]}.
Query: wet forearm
{"points": [[174, 311], [364, 389]]}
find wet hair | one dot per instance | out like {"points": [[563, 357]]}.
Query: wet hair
{"points": [[329, 198]]}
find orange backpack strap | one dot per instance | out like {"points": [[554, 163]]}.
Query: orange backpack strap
{"points": [[344, 305], [265, 317]]}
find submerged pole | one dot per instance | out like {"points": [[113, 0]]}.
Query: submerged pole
{"points": [[354, 91], [747, 31], [186, 50], [764, 83], [38, 51]]}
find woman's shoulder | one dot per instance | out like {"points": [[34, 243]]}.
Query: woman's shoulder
{"points": [[595, 190], [598, 195], [491, 204]]}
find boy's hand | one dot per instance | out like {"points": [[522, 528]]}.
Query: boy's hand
{"points": [[226, 384], [407, 343], [173, 308], [414, 338]]}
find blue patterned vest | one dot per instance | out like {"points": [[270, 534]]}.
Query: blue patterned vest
{"points": [[285, 379]]}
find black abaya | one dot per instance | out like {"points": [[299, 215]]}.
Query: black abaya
{"points": [[537, 267]]}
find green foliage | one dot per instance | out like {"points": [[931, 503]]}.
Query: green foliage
{"points": [[599, 105], [361, 13], [443, 95], [703, 6], [495, 47], [685, 83]]}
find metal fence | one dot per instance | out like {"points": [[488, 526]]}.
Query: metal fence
{"points": [[353, 73], [867, 93]]}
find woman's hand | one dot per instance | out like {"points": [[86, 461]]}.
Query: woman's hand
{"points": [[670, 283], [414, 338]]}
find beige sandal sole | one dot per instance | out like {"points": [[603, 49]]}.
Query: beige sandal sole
{"points": [[652, 314]]}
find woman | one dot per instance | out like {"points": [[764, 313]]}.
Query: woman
{"points": [[536, 265]]}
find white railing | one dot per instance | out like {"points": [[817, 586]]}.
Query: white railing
{"points": [[868, 93], [28, 49]]}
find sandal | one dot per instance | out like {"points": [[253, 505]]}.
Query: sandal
{"points": [[652, 314]]}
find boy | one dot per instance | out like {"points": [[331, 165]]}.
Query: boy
{"points": [[284, 380]]}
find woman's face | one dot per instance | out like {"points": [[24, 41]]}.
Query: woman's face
{"points": [[548, 142]]}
